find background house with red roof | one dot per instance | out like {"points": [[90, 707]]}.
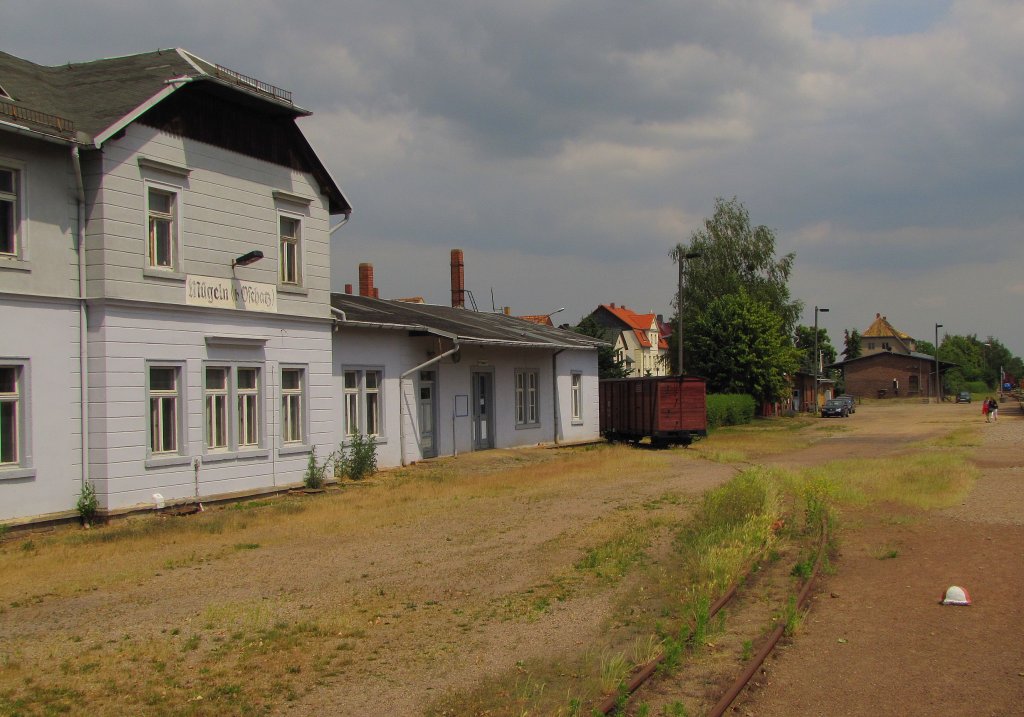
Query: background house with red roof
{"points": [[637, 339]]}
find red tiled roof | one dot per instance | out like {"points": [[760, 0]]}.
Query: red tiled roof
{"points": [[632, 319]]}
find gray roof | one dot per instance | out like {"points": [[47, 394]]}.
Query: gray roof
{"points": [[87, 102], [97, 95], [469, 327], [912, 354]]}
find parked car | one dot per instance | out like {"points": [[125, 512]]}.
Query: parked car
{"points": [[963, 397], [851, 404], [835, 407]]}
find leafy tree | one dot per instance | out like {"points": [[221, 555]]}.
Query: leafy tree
{"points": [[804, 342], [734, 254], [925, 347], [735, 276], [740, 346], [607, 365], [851, 344]]}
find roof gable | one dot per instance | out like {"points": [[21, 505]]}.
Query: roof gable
{"points": [[104, 96]]}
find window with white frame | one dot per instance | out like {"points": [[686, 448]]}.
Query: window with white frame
{"points": [[164, 388], [12, 411], [162, 213], [215, 390], [9, 219], [248, 416], [291, 246], [576, 395], [293, 404], [363, 401], [526, 397]]}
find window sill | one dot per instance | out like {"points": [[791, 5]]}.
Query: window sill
{"points": [[158, 461], [162, 274], [252, 453], [527, 426], [17, 473], [292, 289], [377, 440], [14, 264], [219, 456], [576, 423], [290, 449]]}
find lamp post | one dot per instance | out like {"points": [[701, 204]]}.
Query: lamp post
{"points": [[938, 395], [817, 373], [682, 256]]}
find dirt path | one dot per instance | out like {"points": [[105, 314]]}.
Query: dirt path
{"points": [[876, 641]]}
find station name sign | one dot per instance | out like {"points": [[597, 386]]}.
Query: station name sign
{"points": [[214, 292]]}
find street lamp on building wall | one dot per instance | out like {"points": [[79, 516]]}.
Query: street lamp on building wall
{"points": [[938, 396], [682, 256], [817, 363]]}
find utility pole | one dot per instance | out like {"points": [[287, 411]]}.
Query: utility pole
{"points": [[817, 362], [682, 256]]}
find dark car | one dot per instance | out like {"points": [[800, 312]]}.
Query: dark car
{"points": [[835, 407], [851, 405], [963, 397]]}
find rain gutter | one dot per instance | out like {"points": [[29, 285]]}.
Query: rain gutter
{"points": [[83, 316]]}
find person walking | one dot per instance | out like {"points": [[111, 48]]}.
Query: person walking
{"points": [[993, 409], [984, 411]]}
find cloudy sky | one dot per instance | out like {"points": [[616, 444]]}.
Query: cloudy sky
{"points": [[568, 145]]}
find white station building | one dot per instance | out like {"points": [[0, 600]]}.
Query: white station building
{"points": [[167, 331]]}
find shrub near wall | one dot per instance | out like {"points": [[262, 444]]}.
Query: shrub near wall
{"points": [[729, 409]]}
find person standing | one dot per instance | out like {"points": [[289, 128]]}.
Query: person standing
{"points": [[985, 405], [993, 409]]}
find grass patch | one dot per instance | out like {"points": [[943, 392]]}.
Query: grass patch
{"points": [[921, 480]]}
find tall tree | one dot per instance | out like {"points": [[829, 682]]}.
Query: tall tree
{"points": [[851, 344], [733, 257], [740, 347], [804, 342], [733, 254]]}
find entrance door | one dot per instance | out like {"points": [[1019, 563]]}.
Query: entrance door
{"points": [[428, 414], [483, 410]]}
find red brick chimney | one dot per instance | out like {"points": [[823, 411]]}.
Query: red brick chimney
{"points": [[458, 280], [366, 280], [348, 288]]}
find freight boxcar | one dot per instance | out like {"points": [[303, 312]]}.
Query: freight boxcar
{"points": [[666, 409]]}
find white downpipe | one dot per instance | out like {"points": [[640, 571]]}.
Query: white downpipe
{"points": [[401, 395], [83, 327], [554, 392]]}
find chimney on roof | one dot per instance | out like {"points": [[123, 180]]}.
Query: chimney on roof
{"points": [[348, 288], [508, 310], [458, 280], [612, 304], [366, 280]]}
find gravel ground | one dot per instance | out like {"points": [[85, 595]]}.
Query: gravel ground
{"points": [[876, 641]]}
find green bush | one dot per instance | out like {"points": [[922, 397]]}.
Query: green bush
{"points": [[729, 409], [316, 473], [975, 387], [88, 503], [358, 459]]}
